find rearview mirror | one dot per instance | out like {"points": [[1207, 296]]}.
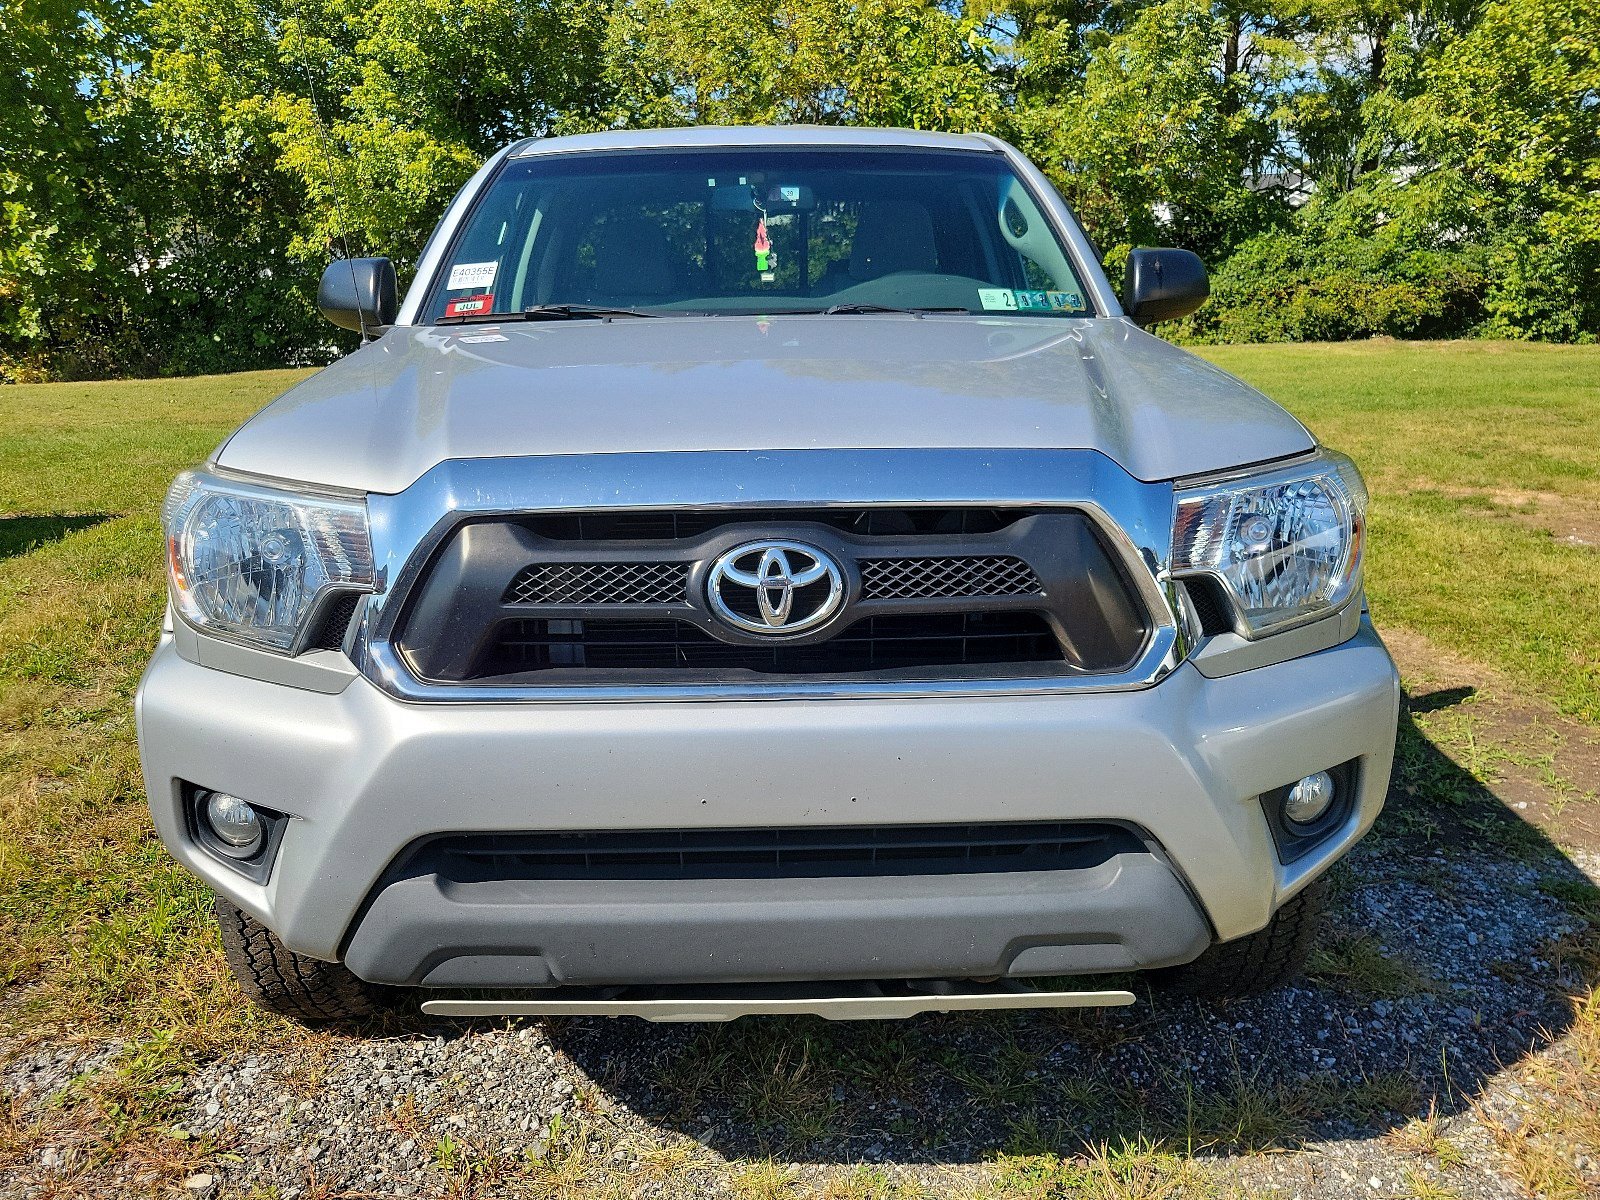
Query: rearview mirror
{"points": [[1163, 285], [733, 197], [359, 293]]}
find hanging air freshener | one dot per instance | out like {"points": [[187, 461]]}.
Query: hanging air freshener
{"points": [[763, 246]]}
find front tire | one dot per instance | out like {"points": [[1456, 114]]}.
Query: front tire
{"points": [[303, 989], [1258, 962]]}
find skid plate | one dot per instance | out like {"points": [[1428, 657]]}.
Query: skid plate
{"points": [[728, 1008]]}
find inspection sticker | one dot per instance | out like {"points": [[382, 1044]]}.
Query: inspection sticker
{"points": [[467, 306], [472, 275], [1008, 300]]}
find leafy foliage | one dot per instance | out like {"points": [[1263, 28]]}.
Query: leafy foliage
{"points": [[1293, 287], [833, 62], [175, 173]]}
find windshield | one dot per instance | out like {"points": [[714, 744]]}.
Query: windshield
{"points": [[759, 230]]}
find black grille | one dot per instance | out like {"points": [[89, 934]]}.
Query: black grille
{"points": [[863, 522], [1210, 605], [964, 576], [600, 583], [885, 643], [335, 621], [774, 853], [557, 599]]}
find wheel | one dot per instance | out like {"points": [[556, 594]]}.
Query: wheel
{"points": [[1257, 962], [304, 989]]}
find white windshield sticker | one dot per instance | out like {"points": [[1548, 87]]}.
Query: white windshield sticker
{"points": [[472, 275], [997, 298]]}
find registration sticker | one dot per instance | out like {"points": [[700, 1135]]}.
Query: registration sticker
{"points": [[472, 275], [994, 299], [468, 306]]}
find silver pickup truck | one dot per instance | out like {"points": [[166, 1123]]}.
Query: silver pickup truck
{"points": [[764, 571]]}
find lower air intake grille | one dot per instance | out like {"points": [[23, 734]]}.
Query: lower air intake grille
{"points": [[600, 583], [876, 644], [952, 578], [774, 853]]}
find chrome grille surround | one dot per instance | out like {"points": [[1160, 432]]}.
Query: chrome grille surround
{"points": [[950, 577], [1135, 517]]}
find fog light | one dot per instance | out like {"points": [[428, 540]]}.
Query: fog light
{"points": [[1309, 799], [234, 822]]}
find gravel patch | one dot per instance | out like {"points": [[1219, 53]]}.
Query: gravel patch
{"points": [[1339, 1072], [1322, 1069]]}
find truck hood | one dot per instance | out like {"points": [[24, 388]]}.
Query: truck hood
{"points": [[378, 419]]}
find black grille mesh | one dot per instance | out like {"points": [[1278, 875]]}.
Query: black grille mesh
{"points": [[600, 583], [331, 629], [1209, 605], [876, 644], [965, 576], [775, 853]]}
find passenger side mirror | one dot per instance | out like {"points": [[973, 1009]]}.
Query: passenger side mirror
{"points": [[1163, 285], [359, 293]]}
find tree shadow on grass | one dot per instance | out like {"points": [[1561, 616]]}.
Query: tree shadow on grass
{"points": [[19, 535], [1438, 968]]}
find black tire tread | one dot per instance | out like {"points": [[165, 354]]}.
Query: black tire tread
{"points": [[304, 989], [1258, 962]]}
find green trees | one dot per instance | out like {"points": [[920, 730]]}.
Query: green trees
{"points": [[1506, 128], [1148, 136], [1474, 207], [73, 142], [834, 62], [174, 173]]}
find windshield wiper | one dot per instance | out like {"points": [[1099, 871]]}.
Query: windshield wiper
{"points": [[835, 310], [568, 312], [546, 312]]}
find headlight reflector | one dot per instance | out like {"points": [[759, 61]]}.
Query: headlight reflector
{"points": [[1286, 545], [250, 563]]}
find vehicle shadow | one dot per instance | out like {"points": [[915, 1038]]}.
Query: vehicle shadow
{"points": [[1447, 956], [19, 535]]}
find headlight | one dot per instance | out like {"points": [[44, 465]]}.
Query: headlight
{"points": [[251, 563], [1285, 544]]}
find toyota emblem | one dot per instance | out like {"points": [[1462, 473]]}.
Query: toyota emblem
{"points": [[796, 587]]}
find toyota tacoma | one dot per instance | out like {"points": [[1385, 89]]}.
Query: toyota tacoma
{"points": [[764, 571]]}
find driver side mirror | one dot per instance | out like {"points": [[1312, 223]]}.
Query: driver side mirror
{"points": [[359, 293], [1163, 285]]}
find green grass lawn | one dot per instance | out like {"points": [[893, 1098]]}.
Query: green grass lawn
{"points": [[1474, 452]]}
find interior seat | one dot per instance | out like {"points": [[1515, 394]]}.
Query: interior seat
{"points": [[632, 263], [891, 236]]}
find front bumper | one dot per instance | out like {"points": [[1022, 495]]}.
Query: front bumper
{"points": [[364, 776]]}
